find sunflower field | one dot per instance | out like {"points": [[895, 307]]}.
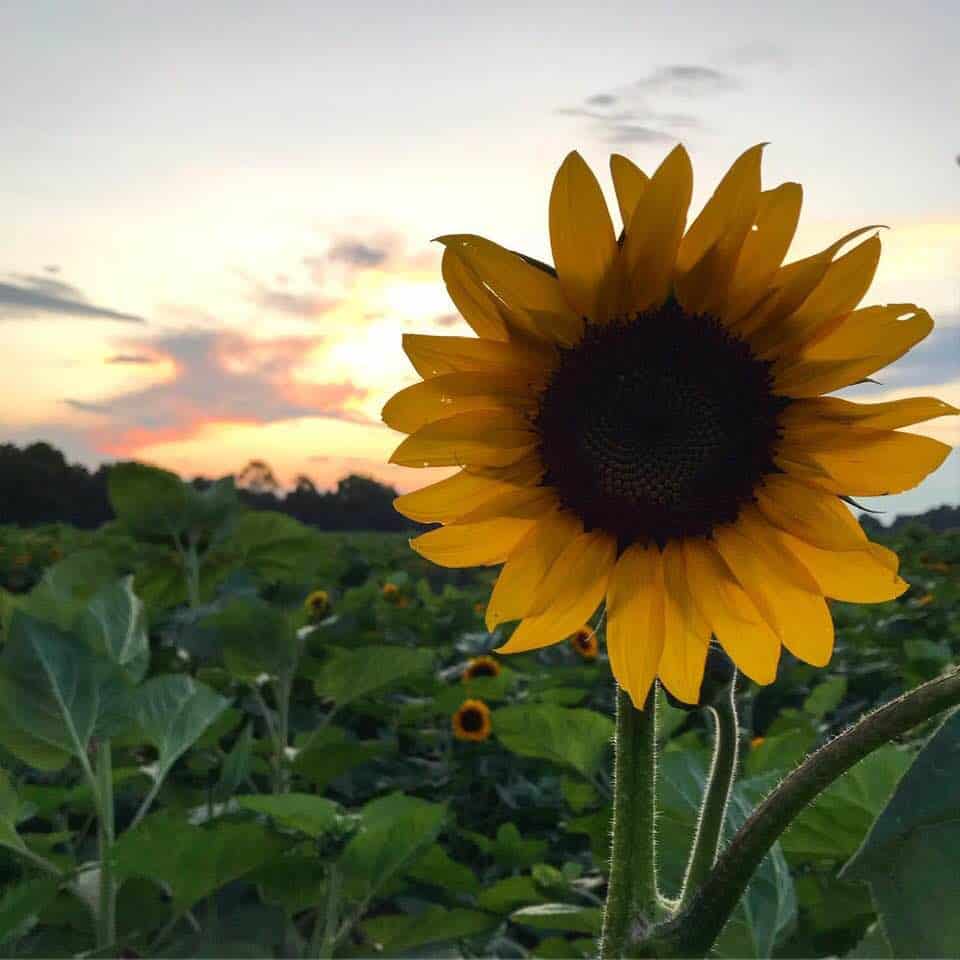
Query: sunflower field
{"points": [[225, 734]]}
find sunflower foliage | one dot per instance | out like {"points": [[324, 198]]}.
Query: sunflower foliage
{"points": [[195, 764]]}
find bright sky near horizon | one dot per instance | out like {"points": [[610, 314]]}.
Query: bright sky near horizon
{"points": [[218, 215]]}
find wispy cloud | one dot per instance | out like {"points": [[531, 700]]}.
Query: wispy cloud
{"points": [[308, 304], [33, 295], [130, 358], [85, 407], [357, 253]]}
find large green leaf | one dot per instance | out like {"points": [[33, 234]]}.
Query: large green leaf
{"points": [[330, 754], [114, 626], [66, 587], [254, 636], [575, 738], [21, 904], [193, 861], [559, 916], [438, 868], [348, 675], [149, 502], [401, 933], [56, 690], [172, 711], [394, 830], [272, 545], [909, 858], [10, 814], [834, 825], [304, 812]]}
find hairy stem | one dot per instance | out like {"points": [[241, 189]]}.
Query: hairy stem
{"points": [[632, 885], [692, 932], [716, 794], [106, 914]]}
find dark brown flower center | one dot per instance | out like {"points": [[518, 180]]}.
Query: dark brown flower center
{"points": [[482, 670], [658, 427], [471, 720]]}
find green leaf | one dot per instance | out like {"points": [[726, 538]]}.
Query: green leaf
{"points": [[511, 851], [909, 857], [394, 830], [294, 882], [66, 587], [304, 812], [826, 696], [508, 894], [10, 814], [436, 867], [237, 765], [395, 933], [193, 861], [330, 754], [834, 825], [272, 545], [114, 626], [580, 739], [559, 916], [149, 502], [255, 638], [173, 711], [348, 675], [55, 690], [22, 903]]}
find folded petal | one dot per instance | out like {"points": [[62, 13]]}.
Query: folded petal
{"points": [[474, 301], [528, 565], [569, 594], [813, 515], [582, 238], [629, 182], [653, 234], [731, 614], [635, 620], [494, 437], [435, 356], [450, 498], [686, 635], [529, 502], [784, 590], [472, 544]]}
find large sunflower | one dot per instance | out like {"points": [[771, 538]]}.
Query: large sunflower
{"points": [[646, 425]]}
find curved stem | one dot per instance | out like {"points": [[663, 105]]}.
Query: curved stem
{"points": [[716, 794], [691, 933], [632, 885]]}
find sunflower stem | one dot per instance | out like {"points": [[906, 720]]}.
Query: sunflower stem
{"points": [[632, 886], [716, 793], [693, 930]]}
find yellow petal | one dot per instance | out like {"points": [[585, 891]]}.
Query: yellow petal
{"points": [[435, 356], [450, 498], [494, 437], [686, 635], [855, 576], [861, 343], [764, 248], [653, 234], [453, 393], [785, 592], [843, 286], [711, 247], [528, 565], [629, 182], [569, 594], [867, 463], [472, 544], [528, 502], [816, 413], [471, 297], [813, 515], [582, 238], [732, 616], [635, 620], [530, 297]]}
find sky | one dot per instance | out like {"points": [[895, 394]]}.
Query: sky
{"points": [[218, 216]]}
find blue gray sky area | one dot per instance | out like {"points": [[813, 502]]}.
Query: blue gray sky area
{"points": [[217, 216]]}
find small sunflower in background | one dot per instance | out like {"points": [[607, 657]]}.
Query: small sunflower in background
{"points": [[757, 742], [22, 560], [481, 667], [317, 604], [56, 554], [584, 641], [472, 721], [390, 592], [646, 425]]}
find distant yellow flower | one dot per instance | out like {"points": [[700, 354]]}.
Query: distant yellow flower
{"points": [[584, 641], [481, 667], [317, 604], [925, 599], [649, 424], [21, 559], [56, 554], [478, 608], [757, 742], [472, 721], [391, 592], [937, 565]]}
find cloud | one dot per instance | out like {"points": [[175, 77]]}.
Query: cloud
{"points": [[219, 377], [687, 80], [356, 253], [934, 360], [447, 320], [33, 295], [297, 304], [130, 358]]}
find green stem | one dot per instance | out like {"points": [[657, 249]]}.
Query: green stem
{"points": [[324, 935], [106, 914], [632, 885], [692, 932], [716, 794], [284, 687]]}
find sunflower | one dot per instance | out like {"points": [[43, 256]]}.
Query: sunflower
{"points": [[317, 604], [390, 592], [646, 425], [584, 641], [472, 721], [481, 667]]}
